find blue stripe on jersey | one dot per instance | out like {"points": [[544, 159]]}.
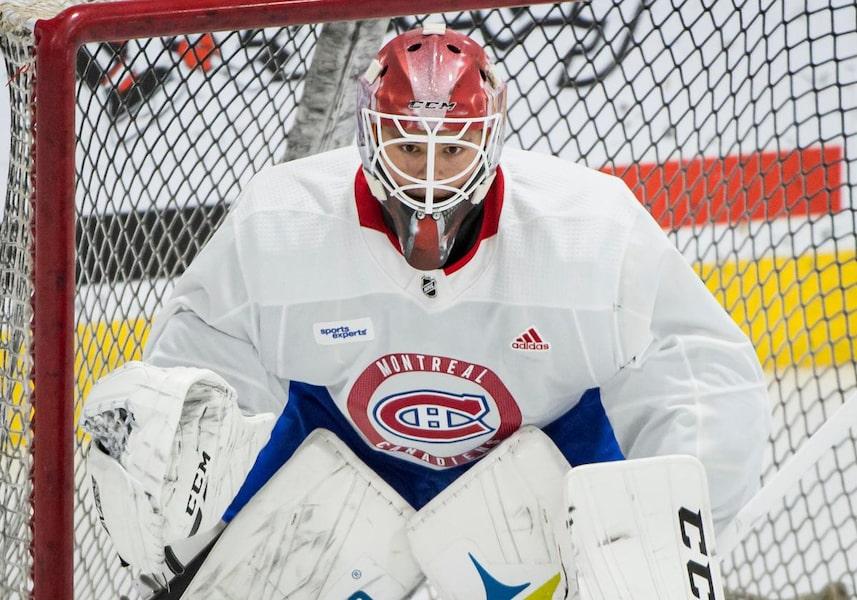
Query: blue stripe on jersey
{"points": [[583, 435]]}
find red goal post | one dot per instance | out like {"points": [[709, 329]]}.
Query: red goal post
{"points": [[732, 124]]}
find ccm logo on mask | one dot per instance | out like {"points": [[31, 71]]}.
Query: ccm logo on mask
{"points": [[431, 104]]}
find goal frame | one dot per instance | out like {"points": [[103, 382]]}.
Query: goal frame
{"points": [[57, 41]]}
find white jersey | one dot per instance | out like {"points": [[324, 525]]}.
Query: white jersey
{"points": [[572, 291]]}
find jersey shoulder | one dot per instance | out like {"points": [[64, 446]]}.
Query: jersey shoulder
{"points": [[542, 185], [314, 185], [301, 213], [564, 232]]}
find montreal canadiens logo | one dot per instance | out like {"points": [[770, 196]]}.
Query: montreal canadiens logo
{"points": [[433, 416], [437, 410]]}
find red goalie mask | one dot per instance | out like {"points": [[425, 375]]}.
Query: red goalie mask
{"points": [[431, 111]]}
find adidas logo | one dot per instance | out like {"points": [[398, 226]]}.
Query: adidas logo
{"points": [[530, 340]]}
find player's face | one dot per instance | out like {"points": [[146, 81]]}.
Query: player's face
{"points": [[450, 160]]}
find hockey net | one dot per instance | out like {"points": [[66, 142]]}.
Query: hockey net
{"points": [[735, 123]]}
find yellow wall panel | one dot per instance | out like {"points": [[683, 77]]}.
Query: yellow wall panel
{"points": [[796, 311]]}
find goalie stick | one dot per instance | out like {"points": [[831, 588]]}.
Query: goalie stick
{"points": [[831, 433], [833, 591], [178, 584]]}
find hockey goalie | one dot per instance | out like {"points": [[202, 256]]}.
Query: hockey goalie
{"points": [[384, 363]]}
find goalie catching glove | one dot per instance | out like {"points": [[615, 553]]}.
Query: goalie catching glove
{"points": [[170, 449]]}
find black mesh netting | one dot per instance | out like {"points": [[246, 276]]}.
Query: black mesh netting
{"points": [[734, 122]]}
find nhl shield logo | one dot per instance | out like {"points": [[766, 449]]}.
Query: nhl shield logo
{"points": [[429, 286]]}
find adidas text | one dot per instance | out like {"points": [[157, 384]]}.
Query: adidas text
{"points": [[530, 345]]}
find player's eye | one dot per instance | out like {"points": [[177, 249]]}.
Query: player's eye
{"points": [[410, 148], [453, 150]]}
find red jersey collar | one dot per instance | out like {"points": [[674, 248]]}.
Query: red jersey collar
{"points": [[369, 215]]}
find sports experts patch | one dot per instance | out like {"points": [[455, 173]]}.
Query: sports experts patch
{"points": [[343, 332]]}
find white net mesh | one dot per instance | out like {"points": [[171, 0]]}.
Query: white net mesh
{"points": [[734, 122], [15, 333]]}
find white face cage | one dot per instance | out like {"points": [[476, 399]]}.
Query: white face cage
{"points": [[432, 133]]}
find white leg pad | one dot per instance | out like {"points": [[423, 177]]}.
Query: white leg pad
{"points": [[642, 530], [502, 516], [324, 527]]}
